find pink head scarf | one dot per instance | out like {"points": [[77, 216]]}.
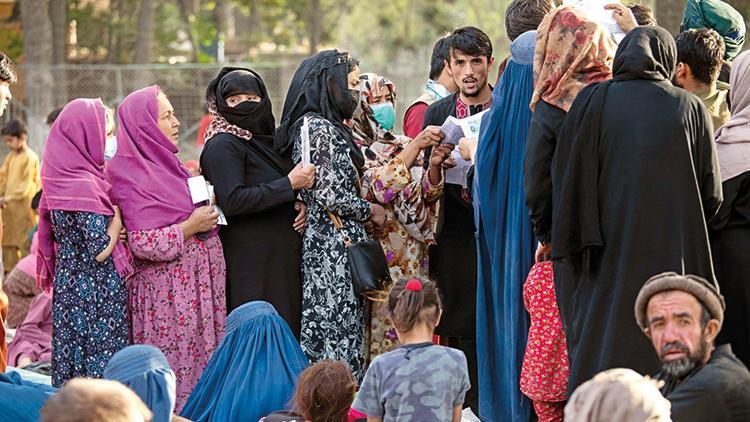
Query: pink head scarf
{"points": [[149, 183], [27, 264], [733, 139], [73, 180]]}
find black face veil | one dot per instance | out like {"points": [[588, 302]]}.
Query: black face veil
{"points": [[254, 117], [321, 86]]}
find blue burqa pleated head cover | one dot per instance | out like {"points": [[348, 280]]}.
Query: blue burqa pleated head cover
{"points": [[145, 370], [505, 241], [253, 371], [20, 400]]}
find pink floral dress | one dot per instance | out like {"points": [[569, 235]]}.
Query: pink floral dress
{"points": [[544, 375], [177, 300]]}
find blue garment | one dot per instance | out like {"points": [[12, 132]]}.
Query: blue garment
{"points": [[505, 241], [253, 371], [22, 400], [145, 370], [89, 315]]}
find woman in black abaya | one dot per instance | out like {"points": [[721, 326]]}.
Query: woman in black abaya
{"points": [[325, 91], [635, 177], [255, 187]]}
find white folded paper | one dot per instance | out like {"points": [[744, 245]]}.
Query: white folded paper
{"points": [[305, 135], [596, 11], [202, 191]]}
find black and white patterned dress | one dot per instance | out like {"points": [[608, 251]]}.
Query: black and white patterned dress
{"points": [[332, 316]]}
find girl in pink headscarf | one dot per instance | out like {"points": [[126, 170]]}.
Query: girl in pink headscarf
{"points": [[177, 296], [79, 249]]}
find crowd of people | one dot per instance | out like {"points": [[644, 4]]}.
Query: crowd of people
{"points": [[579, 256]]}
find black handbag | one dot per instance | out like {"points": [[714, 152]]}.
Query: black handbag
{"points": [[367, 263]]}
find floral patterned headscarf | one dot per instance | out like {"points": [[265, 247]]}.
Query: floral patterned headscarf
{"points": [[571, 52], [366, 129], [380, 147]]}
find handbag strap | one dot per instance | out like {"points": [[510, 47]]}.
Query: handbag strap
{"points": [[339, 225]]}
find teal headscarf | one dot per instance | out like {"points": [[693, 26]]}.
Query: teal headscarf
{"points": [[719, 16]]}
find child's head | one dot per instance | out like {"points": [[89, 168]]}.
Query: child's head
{"points": [[414, 301], [325, 392], [15, 134]]}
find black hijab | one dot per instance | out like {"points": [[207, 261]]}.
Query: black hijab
{"points": [[254, 117], [320, 86], [646, 53]]}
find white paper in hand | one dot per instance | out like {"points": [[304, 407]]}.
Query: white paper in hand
{"points": [[305, 135], [198, 189], [452, 130], [472, 124], [596, 11], [222, 217]]}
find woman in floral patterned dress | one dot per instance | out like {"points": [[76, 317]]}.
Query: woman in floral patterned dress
{"points": [[325, 91], [90, 265], [394, 177], [176, 298]]}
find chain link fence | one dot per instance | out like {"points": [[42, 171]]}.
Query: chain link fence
{"points": [[184, 84]]}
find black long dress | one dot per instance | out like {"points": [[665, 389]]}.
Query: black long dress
{"points": [[261, 248], [730, 243], [635, 175]]}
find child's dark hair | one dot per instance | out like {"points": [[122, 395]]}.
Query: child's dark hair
{"points": [[414, 300], [325, 391], [14, 128]]}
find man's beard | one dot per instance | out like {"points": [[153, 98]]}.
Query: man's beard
{"points": [[477, 90], [680, 368]]}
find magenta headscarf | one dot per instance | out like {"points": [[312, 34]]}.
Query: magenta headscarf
{"points": [[149, 183], [27, 264], [73, 180]]}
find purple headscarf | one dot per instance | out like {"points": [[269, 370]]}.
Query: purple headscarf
{"points": [[149, 182], [73, 180]]}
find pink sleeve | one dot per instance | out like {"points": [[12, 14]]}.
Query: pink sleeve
{"points": [[156, 245], [414, 120]]}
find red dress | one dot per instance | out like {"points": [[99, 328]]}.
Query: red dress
{"points": [[544, 375]]}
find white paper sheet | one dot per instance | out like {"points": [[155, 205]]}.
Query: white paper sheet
{"points": [[596, 11], [222, 217], [198, 189], [458, 174], [452, 130], [305, 135]]}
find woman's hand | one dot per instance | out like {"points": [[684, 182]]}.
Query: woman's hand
{"points": [[440, 159], [123, 236], [431, 136], [302, 177], [114, 231], [440, 155], [542, 253], [301, 219], [115, 227], [623, 16], [377, 214], [202, 219]]}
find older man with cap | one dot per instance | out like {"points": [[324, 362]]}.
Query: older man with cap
{"points": [[682, 315]]}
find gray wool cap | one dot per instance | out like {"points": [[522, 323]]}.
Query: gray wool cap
{"points": [[706, 293]]}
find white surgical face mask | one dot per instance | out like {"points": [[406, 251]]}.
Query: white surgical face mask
{"points": [[110, 147]]}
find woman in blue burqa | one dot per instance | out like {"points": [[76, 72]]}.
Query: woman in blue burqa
{"points": [[252, 373], [505, 239]]}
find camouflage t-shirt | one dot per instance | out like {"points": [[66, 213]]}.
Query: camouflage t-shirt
{"points": [[416, 382]]}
